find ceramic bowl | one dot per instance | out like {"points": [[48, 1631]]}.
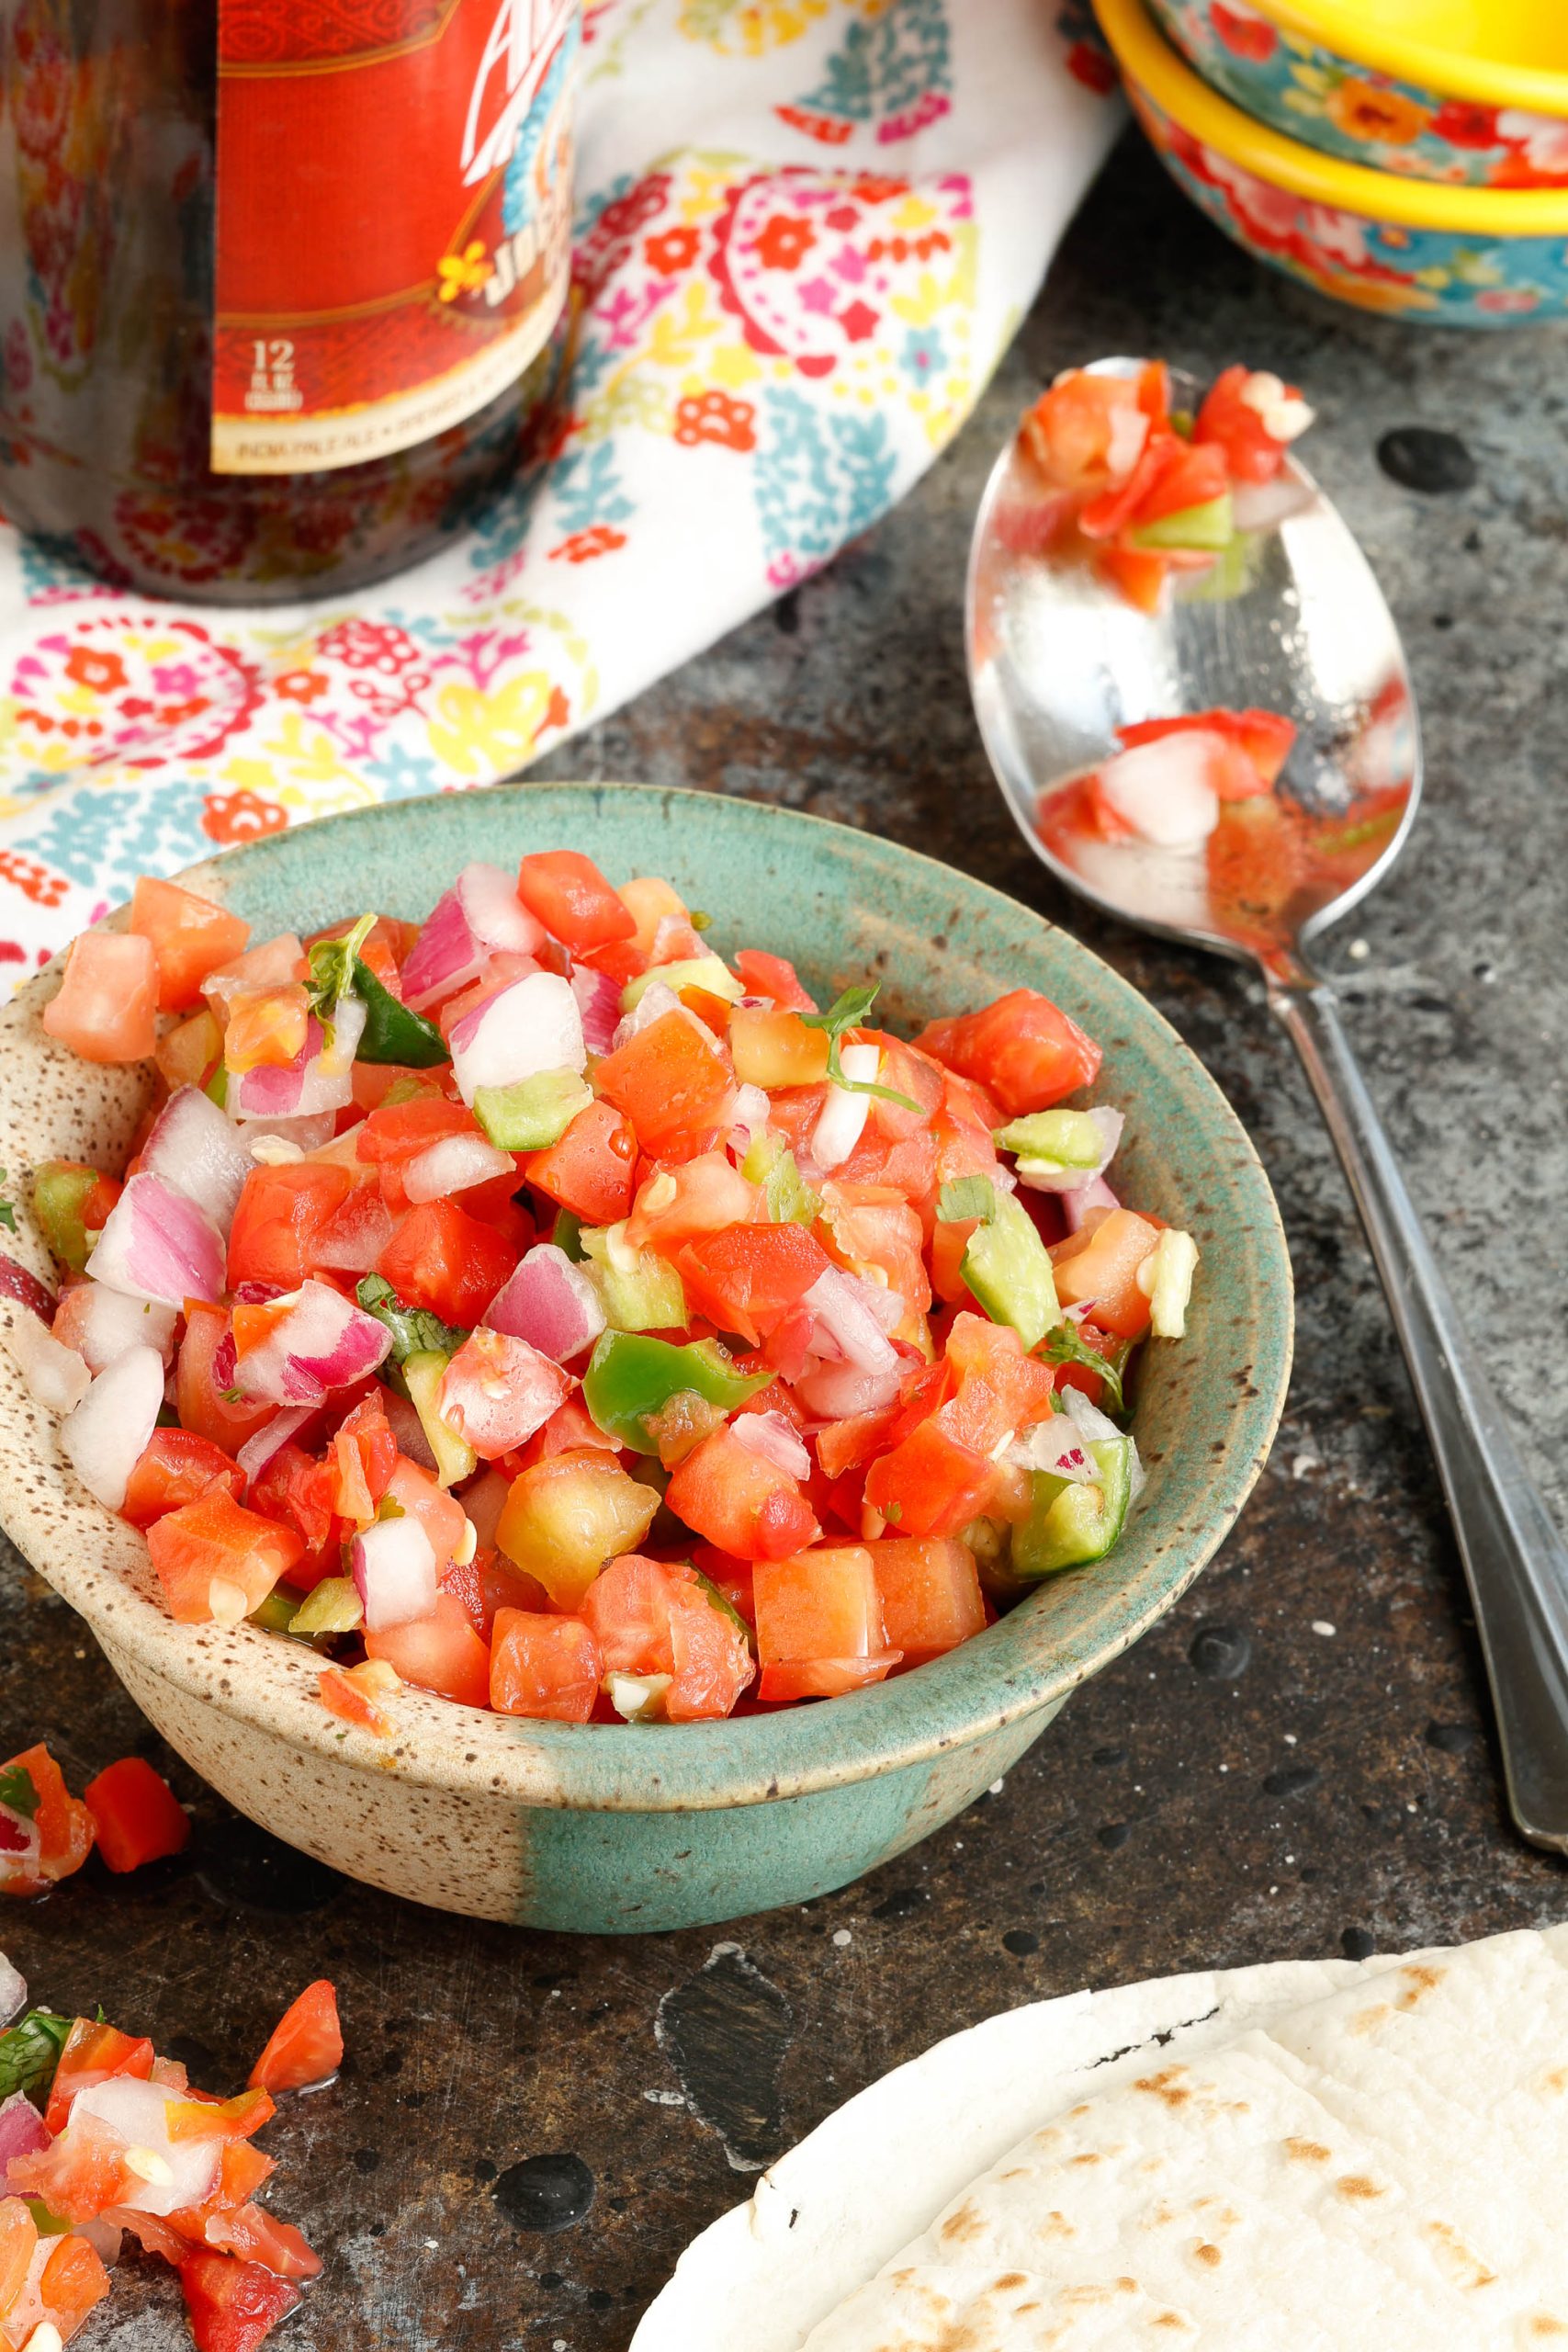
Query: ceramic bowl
{"points": [[1443, 255], [600, 1828], [1398, 86]]}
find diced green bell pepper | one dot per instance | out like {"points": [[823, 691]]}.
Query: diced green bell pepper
{"points": [[392, 1031], [695, 972], [631, 1378], [414, 1330], [455, 1460], [278, 1610], [1007, 1268], [566, 1235], [770, 1163], [639, 1290], [333, 1608], [1208, 526], [1072, 1522], [46, 2224], [61, 1189], [535, 1112], [1055, 1139]]}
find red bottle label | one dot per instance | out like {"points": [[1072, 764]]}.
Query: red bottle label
{"points": [[394, 202]]}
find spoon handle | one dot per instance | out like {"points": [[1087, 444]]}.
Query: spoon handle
{"points": [[1514, 1560]]}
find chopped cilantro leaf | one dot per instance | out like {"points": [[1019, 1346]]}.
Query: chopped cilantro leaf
{"points": [[18, 1792], [848, 1014], [964, 1197], [1064, 1346], [29, 2052]]}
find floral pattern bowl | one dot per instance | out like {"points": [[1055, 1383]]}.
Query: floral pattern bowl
{"points": [[1355, 85], [1445, 255]]}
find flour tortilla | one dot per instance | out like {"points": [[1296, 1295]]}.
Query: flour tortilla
{"points": [[1381, 2170], [827, 2217]]}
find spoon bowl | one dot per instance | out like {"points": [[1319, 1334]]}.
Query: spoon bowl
{"points": [[1287, 620], [1291, 619]]}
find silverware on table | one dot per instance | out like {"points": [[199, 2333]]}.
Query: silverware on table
{"points": [[1057, 661]]}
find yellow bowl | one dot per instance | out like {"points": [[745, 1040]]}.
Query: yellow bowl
{"points": [[1445, 255], [1497, 52]]}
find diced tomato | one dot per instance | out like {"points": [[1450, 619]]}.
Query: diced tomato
{"points": [[592, 1170], [257, 2237], [747, 1278], [1139, 574], [1099, 1269], [1022, 1050], [1251, 452], [544, 1667], [1191, 475], [620, 960], [931, 1595], [499, 972], [1263, 737], [267, 1028], [18, 2236], [486, 1584], [439, 1513], [203, 1374], [819, 1623], [573, 900], [651, 1617], [569, 1428], [72, 2283], [218, 2119], [443, 1258], [930, 1484], [280, 1217], [187, 1054], [63, 1825], [190, 937], [354, 1234], [78, 2175], [232, 2306], [698, 1196], [214, 1541], [355, 1694], [294, 1488], [94, 2054], [440, 1652], [729, 1575], [674, 1086], [1001, 1387], [1086, 430], [497, 1391], [740, 1501], [568, 1514], [365, 1456], [306, 2044], [773, 976], [174, 1468], [399, 1132], [136, 1814], [776, 1049], [107, 1005]]}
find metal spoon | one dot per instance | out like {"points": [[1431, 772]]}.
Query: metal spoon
{"points": [[1058, 661]]}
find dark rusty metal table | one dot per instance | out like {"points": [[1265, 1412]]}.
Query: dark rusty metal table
{"points": [[1298, 1759]]}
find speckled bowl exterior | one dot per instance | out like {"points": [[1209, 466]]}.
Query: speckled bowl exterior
{"points": [[595, 1827], [1356, 110]]}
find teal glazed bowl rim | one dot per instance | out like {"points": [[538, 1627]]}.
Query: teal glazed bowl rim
{"points": [[843, 903]]}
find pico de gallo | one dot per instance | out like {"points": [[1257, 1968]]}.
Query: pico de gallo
{"points": [[1145, 491], [538, 1307], [128, 1811], [100, 2136]]}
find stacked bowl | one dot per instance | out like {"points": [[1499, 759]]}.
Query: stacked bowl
{"points": [[1409, 156]]}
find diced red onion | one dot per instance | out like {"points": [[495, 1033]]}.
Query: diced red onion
{"points": [[658, 999], [772, 1439], [20, 1841], [22, 2132], [197, 1149], [1057, 1446], [13, 1996], [56, 1376], [409, 1429], [138, 2111], [1073, 1179], [281, 1430], [550, 1303], [25, 1289], [1095, 1428], [105, 1437], [1163, 789], [1262, 505], [495, 914], [100, 1324], [1077, 1205], [356, 1234], [453, 1164], [751, 1109], [394, 1568], [534, 1025], [842, 1118], [445, 957], [322, 1343], [837, 1392], [599, 1002], [302, 1134], [157, 1244], [320, 1078], [498, 1390], [847, 1330]]}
